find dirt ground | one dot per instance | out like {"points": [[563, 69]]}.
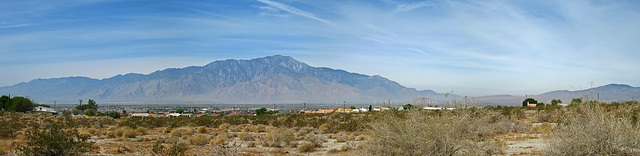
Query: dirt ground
{"points": [[334, 144]]}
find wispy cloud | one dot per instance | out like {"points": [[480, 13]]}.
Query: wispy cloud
{"points": [[294, 10], [412, 6]]}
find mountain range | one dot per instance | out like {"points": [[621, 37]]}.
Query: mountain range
{"points": [[606, 93], [273, 79]]}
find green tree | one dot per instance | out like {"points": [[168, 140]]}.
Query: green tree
{"points": [[180, 110], [264, 111], [555, 102], [90, 112], [114, 115], [576, 101], [529, 101], [407, 106], [92, 104], [66, 113], [21, 104], [261, 111], [5, 101]]}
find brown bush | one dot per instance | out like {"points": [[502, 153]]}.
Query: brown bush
{"points": [[277, 136], [179, 132], [306, 146], [202, 129], [417, 133], [245, 136], [129, 133], [590, 130], [219, 140], [200, 140]]}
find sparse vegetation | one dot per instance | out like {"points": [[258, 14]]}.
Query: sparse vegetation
{"points": [[591, 128], [54, 138]]}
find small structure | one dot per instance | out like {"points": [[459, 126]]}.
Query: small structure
{"points": [[186, 115], [361, 109], [174, 115], [44, 110], [143, 115], [344, 110], [213, 115]]}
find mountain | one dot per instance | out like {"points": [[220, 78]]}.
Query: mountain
{"points": [[272, 79], [606, 93]]}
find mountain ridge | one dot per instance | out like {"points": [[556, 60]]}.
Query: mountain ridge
{"points": [[271, 79], [606, 93]]}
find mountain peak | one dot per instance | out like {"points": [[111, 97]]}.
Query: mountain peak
{"points": [[617, 85], [284, 61]]}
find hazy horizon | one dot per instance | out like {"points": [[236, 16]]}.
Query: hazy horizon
{"points": [[469, 47]]}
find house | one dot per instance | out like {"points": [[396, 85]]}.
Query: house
{"points": [[186, 115], [173, 115], [325, 111], [344, 110], [234, 113], [44, 110], [360, 110], [199, 115], [141, 114], [213, 115]]}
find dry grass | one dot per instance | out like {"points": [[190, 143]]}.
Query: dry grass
{"points": [[416, 133], [182, 131], [306, 146], [200, 139], [276, 137], [590, 130]]}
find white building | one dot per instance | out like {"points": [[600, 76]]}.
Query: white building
{"points": [[46, 110]]}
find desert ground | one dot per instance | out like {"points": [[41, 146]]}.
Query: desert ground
{"points": [[581, 129]]}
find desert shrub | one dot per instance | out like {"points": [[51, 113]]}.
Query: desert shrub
{"points": [[179, 132], [220, 139], [54, 139], [245, 136], [200, 140], [224, 126], [315, 139], [202, 129], [342, 137], [590, 130], [415, 133], [306, 146], [277, 136], [177, 149], [128, 132], [9, 127], [166, 130]]}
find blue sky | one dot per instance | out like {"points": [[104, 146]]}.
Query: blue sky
{"points": [[471, 47]]}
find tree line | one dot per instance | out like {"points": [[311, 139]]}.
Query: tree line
{"points": [[17, 104]]}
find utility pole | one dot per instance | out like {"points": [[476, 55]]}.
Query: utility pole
{"points": [[304, 107], [344, 106]]}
